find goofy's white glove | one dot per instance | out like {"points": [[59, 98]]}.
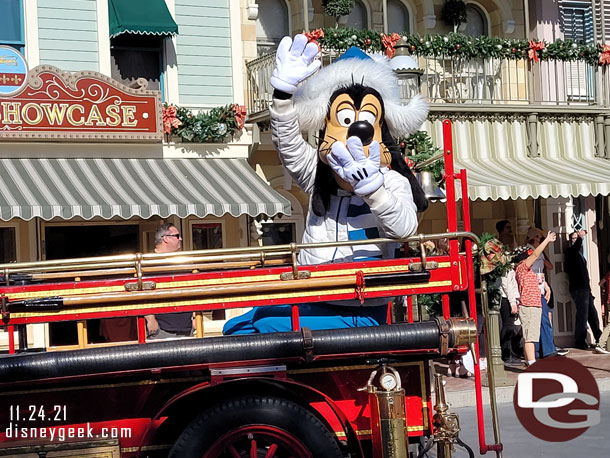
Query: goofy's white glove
{"points": [[352, 165], [294, 62]]}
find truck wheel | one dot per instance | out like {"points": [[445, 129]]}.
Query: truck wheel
{"points": [[253, 427]]}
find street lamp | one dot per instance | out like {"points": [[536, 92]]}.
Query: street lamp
{"points": [[407, 72]]}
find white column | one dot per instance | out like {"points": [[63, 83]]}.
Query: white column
{"points": [[103, 38], [236, 53], [30, 21]]}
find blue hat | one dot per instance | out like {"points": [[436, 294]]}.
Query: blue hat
{"points": [[354, 53]]}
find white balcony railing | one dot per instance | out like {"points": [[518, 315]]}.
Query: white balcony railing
{"points": [[476, 81]]}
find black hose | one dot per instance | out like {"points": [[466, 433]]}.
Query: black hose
{"points": [[468, 449], [427, 448], [423, 336]]}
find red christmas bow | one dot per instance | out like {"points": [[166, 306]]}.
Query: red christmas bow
{"points": [[388, 42], [604, 57], [314, 36], [240, 115], [170, 120], [535, 46]]}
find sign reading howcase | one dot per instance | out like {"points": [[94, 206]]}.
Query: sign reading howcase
{"points": [[61, 106]]}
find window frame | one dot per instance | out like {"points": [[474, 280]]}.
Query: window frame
{"points": [[485, 15], [17, 238], [193, 222], [18, 45], [162, 59], [410, 15]]}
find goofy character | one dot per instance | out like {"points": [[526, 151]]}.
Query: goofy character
{"points": [[360, 186]]}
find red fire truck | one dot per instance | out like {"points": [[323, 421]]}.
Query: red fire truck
{"points": [[359, 392]]}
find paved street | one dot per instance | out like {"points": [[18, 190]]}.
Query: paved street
{"points": [[518, 443]]}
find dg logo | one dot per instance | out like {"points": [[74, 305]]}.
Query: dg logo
{"points": [[557, 399]]}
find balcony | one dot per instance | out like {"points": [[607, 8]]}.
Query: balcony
{"points": [[449, 82], [521, 128]]}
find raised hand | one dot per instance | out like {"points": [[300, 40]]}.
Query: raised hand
{"points": [[294, 62], [352, 165]]}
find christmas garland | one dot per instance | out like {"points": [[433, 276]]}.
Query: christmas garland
{"points": [[463, 46], [213, 126], [418, 147]]}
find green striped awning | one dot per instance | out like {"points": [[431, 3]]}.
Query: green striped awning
{"points": [[142, 17], [495, 156], [124, 188]]}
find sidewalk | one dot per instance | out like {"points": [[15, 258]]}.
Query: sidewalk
{"points": [[460, 391]]}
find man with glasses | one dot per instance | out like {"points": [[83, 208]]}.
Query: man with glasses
{"points": [[169, 325]]}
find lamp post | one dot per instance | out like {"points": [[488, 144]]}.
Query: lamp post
{"points": [[407, 72]]}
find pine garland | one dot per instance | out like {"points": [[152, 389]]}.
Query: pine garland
{"points": [[213, 126], [418, 147], [464, 46]]}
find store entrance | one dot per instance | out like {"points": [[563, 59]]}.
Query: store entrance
{"points": [[62, 242]]}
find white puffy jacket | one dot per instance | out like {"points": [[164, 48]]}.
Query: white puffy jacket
{"points": [[392, 211]]}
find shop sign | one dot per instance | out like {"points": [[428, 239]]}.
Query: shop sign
{"points": [[49, 104]]}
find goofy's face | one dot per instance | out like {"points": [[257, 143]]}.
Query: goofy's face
{"points": [[354, 111]]}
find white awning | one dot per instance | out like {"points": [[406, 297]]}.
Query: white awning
{"points": [[496, 159], [125, 188]]}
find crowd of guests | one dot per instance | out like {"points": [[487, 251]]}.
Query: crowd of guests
{"points": [[527, 329]]}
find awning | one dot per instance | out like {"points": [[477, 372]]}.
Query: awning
{"points": [[107, 188], [144, 17], [495, 156]]}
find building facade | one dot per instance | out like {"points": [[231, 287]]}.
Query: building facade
{"points": [[531, 132], [63, 197]]}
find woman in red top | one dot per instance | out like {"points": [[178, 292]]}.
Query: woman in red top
{"points": [[530, 305]]}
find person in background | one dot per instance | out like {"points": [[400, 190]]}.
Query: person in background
{"points": [[505, 234], [546, 345], [602, 345], [530, 307], [170, 325], [580, 290], [511, 333]]}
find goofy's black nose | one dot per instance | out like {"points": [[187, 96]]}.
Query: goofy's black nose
{"points": [[363, 130]]}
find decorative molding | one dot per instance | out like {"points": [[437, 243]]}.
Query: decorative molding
{"points": [[253, 11]]}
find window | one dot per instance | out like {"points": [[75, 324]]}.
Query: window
{"points": [[476, 22], [137, 56], [207, 236], [357, 18], [278, 233], [87, 240], [576, 21], [8, 245], [398, 17], [11, 24], [271, 25]]}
